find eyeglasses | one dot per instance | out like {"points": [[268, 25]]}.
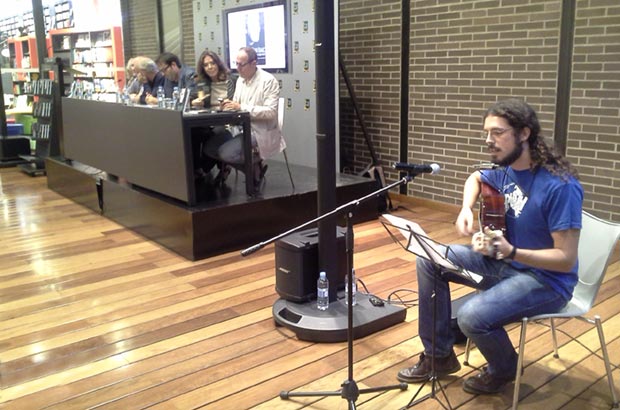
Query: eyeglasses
{"points": [[210, 64], [164, 68], [494, 132], [241, 65]]}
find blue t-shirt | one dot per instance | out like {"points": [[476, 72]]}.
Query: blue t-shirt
{"points": [[537, 204]]}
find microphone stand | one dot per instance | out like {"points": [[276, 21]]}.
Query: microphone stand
{"points": [[349, 389], [428, 252]]}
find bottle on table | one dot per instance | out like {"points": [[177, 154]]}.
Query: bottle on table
{"points": [[160, 97], [126, 96], [175, 97]]}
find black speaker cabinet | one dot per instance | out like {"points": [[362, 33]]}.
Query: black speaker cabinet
{"points": [[297, 264]]}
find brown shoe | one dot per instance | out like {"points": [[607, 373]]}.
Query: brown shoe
{"points": [[486, 383], [421, 372]]}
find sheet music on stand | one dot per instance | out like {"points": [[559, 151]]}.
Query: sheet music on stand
{"points": [[422, 246]]}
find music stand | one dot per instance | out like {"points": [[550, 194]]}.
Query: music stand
{"points": [[424, 247]]}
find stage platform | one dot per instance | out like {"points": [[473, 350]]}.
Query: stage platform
{"points": [[225, 219]]}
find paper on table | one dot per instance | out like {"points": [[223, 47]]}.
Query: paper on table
{"points": [[421, 245]]}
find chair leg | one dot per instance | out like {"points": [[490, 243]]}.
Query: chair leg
{"points": [[515, 394], [610, 380], [288, 168], [554, 338], [467, 349]]}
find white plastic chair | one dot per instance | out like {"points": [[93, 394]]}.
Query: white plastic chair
{"points": [[596, 246], [281, 109], [283, 144]]}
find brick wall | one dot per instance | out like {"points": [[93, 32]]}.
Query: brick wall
{"points": [[188, 53], [140, 30], [140, 27], [594, 133], [370, 49], [464, 56]]}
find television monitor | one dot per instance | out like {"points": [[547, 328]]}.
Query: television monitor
{"points": [[265, 28]]}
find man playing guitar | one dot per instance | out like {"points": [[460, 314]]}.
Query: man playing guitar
{"points": [[529, 268]]}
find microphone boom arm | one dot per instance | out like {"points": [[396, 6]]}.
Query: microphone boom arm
{"points": [[336, 211]]}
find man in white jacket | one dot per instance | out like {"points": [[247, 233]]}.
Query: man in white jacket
{"points": [[256, 92]]}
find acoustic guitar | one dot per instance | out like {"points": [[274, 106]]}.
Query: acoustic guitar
{"points": [[492, 220]]}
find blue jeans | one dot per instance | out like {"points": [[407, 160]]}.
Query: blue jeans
{"points": [[508, 295]]}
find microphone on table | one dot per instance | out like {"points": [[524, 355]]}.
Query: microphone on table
{"points": [[417, 168]]}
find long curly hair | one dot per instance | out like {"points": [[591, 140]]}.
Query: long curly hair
{"points": [[521, 115], [223, 72]]}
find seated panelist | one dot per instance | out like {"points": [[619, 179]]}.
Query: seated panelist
{"points": [[133, 84], [215, 82], [151, 78], [256, 92], [176, 75]]}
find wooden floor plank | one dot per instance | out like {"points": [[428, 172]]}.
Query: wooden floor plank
{"points": [[92, 315]]}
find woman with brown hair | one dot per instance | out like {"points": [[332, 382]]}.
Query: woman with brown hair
{"points": [[215, 82]]}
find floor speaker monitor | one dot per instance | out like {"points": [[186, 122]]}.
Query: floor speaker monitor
{"points": [[297, 264]]}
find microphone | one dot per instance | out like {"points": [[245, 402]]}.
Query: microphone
{"points": [[487, 165], [251, 249], [417, 169]]}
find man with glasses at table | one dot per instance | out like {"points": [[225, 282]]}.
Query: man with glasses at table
{"points": [[177, 75], [256, 92], [529, 269]]}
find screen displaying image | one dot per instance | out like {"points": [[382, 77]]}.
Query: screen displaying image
{"points": [[262, 27]]}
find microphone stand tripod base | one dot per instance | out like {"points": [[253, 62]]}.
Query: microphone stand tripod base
{"points": [[311, 324]]}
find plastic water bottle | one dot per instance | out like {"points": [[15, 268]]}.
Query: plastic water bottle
{"points": [[353, 287], [126, 97], [322, 292], [175, 97], [119, 95], [79, 91], [160, 97]]}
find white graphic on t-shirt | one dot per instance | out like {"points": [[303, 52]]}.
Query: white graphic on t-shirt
{"points": [[515, 200]]}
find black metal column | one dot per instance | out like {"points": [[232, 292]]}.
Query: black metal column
{"points": [[324, 33], [39, 31], [3, 127], [562, 106], [404, 85]]}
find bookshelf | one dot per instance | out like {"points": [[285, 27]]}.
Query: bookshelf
{"points": [[44, 130], [95, 56], [23, 54]]}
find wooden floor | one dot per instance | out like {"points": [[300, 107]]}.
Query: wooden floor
{"points": [[94, 316]]}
